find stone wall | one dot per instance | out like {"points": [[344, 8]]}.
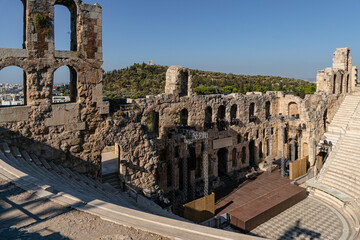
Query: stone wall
{"points": [[58, 131]]}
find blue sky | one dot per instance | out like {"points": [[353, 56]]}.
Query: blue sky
{"points": [[290, 38]]}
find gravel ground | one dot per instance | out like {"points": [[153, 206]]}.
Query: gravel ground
{"points": [[25, 216]]}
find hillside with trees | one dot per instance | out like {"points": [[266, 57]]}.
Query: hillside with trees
{"points": [[140, 80]]}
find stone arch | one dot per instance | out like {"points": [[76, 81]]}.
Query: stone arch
{"points": [[72, 6], [71, 82], [293, 109], [233, 112], [178, 81], [20, 77]]}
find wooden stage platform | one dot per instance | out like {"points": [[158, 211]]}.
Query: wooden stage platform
{"points": [[256, 201]]}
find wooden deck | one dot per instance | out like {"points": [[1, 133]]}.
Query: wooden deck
{"points": [[256, 201]]}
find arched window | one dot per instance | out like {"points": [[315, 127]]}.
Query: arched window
{"points": [[65, 85], [334, 84], [221, 112], [12, 86], [208, 118], [293, 110], [233, 112], [13, 29], [347, 84], [267, 109], [251, 112], [221, 123], [152, 122], [65, 22], [184, 114]]}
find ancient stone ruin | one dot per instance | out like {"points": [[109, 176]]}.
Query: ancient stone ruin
{"points": [[177, 143]]}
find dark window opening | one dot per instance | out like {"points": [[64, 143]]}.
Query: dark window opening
{"points": [[243, 155], [208, 123], [184, 78], [234, 162], [334, 84], [252, 112], [267, 110], [221, 122], [183, 117], [239, 138]]}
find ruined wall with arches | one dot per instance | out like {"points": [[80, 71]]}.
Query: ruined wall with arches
{"points": [[341, 78], [58, 131]]}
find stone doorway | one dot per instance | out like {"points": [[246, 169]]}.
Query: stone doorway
{"points": [[222, 155]]}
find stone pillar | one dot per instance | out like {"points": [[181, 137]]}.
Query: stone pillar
{"points": [[192, 184], [206, 167], [173, 176], [293, 143], [312, 148], [185, 170]]}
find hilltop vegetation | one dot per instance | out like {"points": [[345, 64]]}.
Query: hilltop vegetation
{"points": [[140, 80]]}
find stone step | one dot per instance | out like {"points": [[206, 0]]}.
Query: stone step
{"points": [[335, 181]]}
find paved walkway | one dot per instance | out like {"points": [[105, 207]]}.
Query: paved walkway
{"points": [[308, 219], [24, 215]]}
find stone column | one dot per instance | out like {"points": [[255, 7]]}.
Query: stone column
{"points": [[185, 171], [206, 167], [173, 170]]}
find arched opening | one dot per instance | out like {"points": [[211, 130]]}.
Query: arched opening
{"points": [[252, 152], [239, 138], [184, 78], [268, 147], [233, 112], [293, 109], [243, 155], [12, 86], [334, 84], [208, 118], [252, 112], [221, 123], [110, 159], [325, 119], [222, 155], [233, 157], [347, 84], [65, 85], [267, 109], [183, 118], [13, 30], [341, 83], [260, 151], [152, 122], [65, 24]]}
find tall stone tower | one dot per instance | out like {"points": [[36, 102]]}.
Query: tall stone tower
{"points": [[60, 132]]}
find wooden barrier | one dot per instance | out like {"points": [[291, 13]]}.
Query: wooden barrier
{"points": [[200, 209], [298, 168]]}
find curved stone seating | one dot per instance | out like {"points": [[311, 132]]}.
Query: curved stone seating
{"points": [[338, 180], [77, 191]]}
